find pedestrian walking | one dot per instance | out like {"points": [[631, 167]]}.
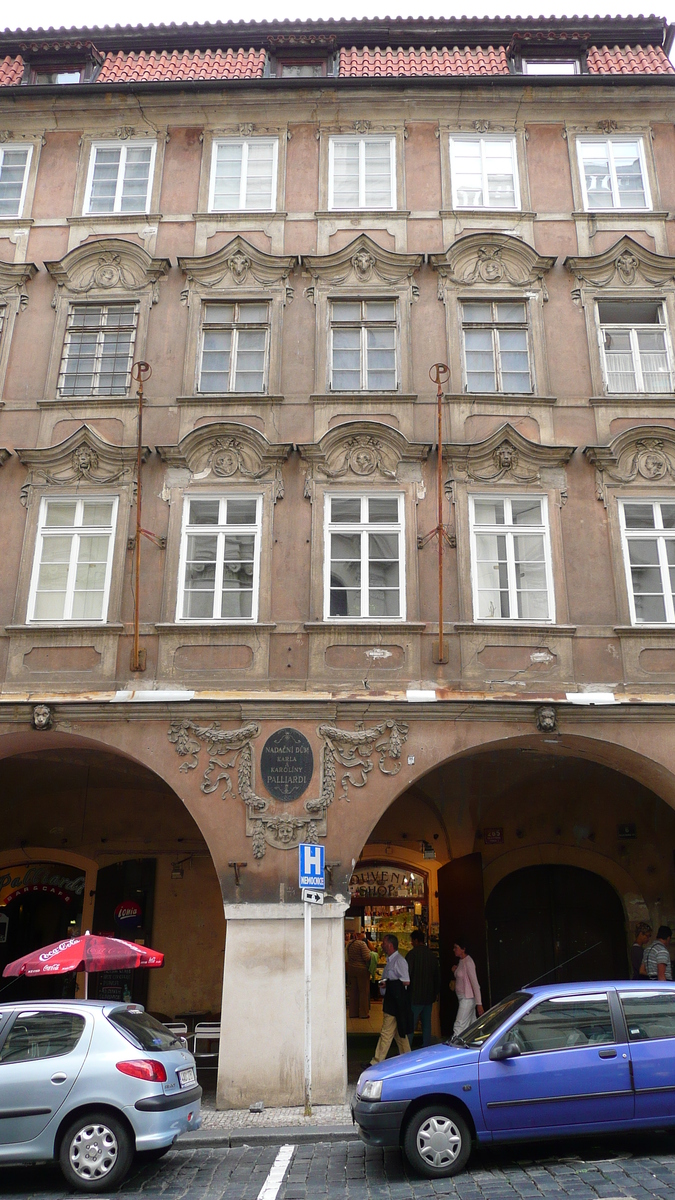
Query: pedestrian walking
{"points": [[643, 933], [425, 983], [657, 956], [467, 988], [396, 1010], [358, 977]]}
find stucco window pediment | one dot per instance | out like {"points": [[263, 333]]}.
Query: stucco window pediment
{"points": [[108, 267], [624, 265], [643, 455], [490, 259], [506, 457], [236, 265], [362, 452], [13, 280], [362, 263], [84, 457], [224, 452]]}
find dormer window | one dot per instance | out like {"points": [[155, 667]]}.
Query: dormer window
{"points": [[551, 66], [73, 75], [293, 69], [49, 64]]}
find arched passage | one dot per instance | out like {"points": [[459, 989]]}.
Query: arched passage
{"points": [[553, 923], [473, 821], [92, 839]]}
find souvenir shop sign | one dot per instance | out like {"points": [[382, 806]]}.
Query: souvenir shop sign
{"points": [[54, 879], [287, 764], [386, 883]]}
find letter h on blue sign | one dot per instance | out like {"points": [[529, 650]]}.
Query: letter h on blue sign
{"points": [[312, 860]]}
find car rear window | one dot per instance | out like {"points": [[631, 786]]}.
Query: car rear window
{"points": [[142, 1030], [649, 1015]]}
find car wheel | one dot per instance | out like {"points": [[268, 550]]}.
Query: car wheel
{"points": [[437, 1142], [96, 1152]]}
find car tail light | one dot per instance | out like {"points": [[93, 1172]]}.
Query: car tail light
{"points": [[143, 1068]]}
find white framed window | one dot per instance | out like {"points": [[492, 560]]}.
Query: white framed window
{"points": [[219, 572], [244, 174], [235, 347], [120, 177], [73, 559], [613, 173], [98, 350], [484, 172], [634, 346], [511, 559], [364, 557], [362, 172], [648, 539], [363, 346], [495, 335], [14, 164], [551, 66]]}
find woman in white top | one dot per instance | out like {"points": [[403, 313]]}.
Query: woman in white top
{"points": [[467, 990]]}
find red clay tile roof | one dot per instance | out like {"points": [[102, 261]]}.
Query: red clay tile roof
{"points": [[152, 67], [367, 64], [631, 60], [11, 71]]}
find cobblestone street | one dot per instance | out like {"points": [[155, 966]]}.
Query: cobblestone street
{"points": [[636, 1167]]}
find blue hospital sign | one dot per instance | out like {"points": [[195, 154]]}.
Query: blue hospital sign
{"points": [[312, 866]]}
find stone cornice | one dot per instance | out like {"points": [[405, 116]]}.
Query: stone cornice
{"points": [[491, 258], [644, 454], [360, 263], [84, 457], [108, 267], [359, 452], [238, 264], [13, 280], [226, 450], [505, 457]]}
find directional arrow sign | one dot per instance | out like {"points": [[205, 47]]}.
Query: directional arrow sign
{"points": [[311, 897]]}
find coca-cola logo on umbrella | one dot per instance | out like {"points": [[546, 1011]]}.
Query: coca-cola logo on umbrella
{"points": [[128, 914]]}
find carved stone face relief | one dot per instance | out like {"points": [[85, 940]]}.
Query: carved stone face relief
{"points": [[363, 263], [42, 716], [545, 718], [240, 265], [627, 267]]}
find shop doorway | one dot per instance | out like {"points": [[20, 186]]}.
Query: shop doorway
{"points": [[562, 922], [40, 903]]}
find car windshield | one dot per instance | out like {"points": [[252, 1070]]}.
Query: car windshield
{"points": [[489, 1023], [142, 1030]]}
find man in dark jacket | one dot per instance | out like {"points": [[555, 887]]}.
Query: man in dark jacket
{"points": [[425, 983]]}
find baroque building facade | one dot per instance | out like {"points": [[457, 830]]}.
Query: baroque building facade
{"points": [[292, 223]]}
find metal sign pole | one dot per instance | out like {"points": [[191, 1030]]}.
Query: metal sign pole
{"points": [[307, 914]]}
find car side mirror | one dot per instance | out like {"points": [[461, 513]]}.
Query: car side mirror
{"points": [[506, 1050]]}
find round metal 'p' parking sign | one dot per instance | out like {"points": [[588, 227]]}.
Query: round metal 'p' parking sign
{"points": [[287, 764]]}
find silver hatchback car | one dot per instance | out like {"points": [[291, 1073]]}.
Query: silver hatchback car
{"points": [[90, 1084]]}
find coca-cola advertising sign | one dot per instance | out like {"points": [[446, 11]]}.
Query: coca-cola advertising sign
{"points": [[128, 914]]}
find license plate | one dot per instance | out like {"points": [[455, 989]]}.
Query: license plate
{"points": [[187, 1077]]}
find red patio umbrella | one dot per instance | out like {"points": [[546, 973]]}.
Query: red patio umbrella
{"points": [[89, 952]]}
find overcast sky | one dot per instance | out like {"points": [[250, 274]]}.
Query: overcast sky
{"points": [[35, 14]]}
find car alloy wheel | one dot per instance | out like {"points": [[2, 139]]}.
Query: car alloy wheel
{"points": [[438, 1141], [93, 1151]]}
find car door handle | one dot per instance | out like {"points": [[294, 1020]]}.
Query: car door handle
{"points": [[607, 1053], [60, 1077]]}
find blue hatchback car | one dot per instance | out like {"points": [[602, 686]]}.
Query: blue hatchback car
{"points": [[547, 1061]]}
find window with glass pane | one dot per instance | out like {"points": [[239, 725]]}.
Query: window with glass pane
{"points": [[484, 172], [364, 561], [42, 1035], [649, 1015], [120, 176], [496, 346], [648, 529], [13, 175], [73, 559], [613, 173], [562, 1024], [220, 559], [363, 346], [361, 172], [634, 345], [235, 340], [244, 174], [511, 559], [98, 350]]}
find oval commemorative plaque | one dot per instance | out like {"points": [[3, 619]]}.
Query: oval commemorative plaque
{"points": [[287, 764]]}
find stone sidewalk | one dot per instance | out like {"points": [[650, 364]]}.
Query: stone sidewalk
{"points": [[227, 1120]]}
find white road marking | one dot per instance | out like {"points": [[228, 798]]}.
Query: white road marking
{"points": [[270, 1187]]}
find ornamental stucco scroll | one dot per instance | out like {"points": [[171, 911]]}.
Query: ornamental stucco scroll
{"points": [[347, 759]]}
